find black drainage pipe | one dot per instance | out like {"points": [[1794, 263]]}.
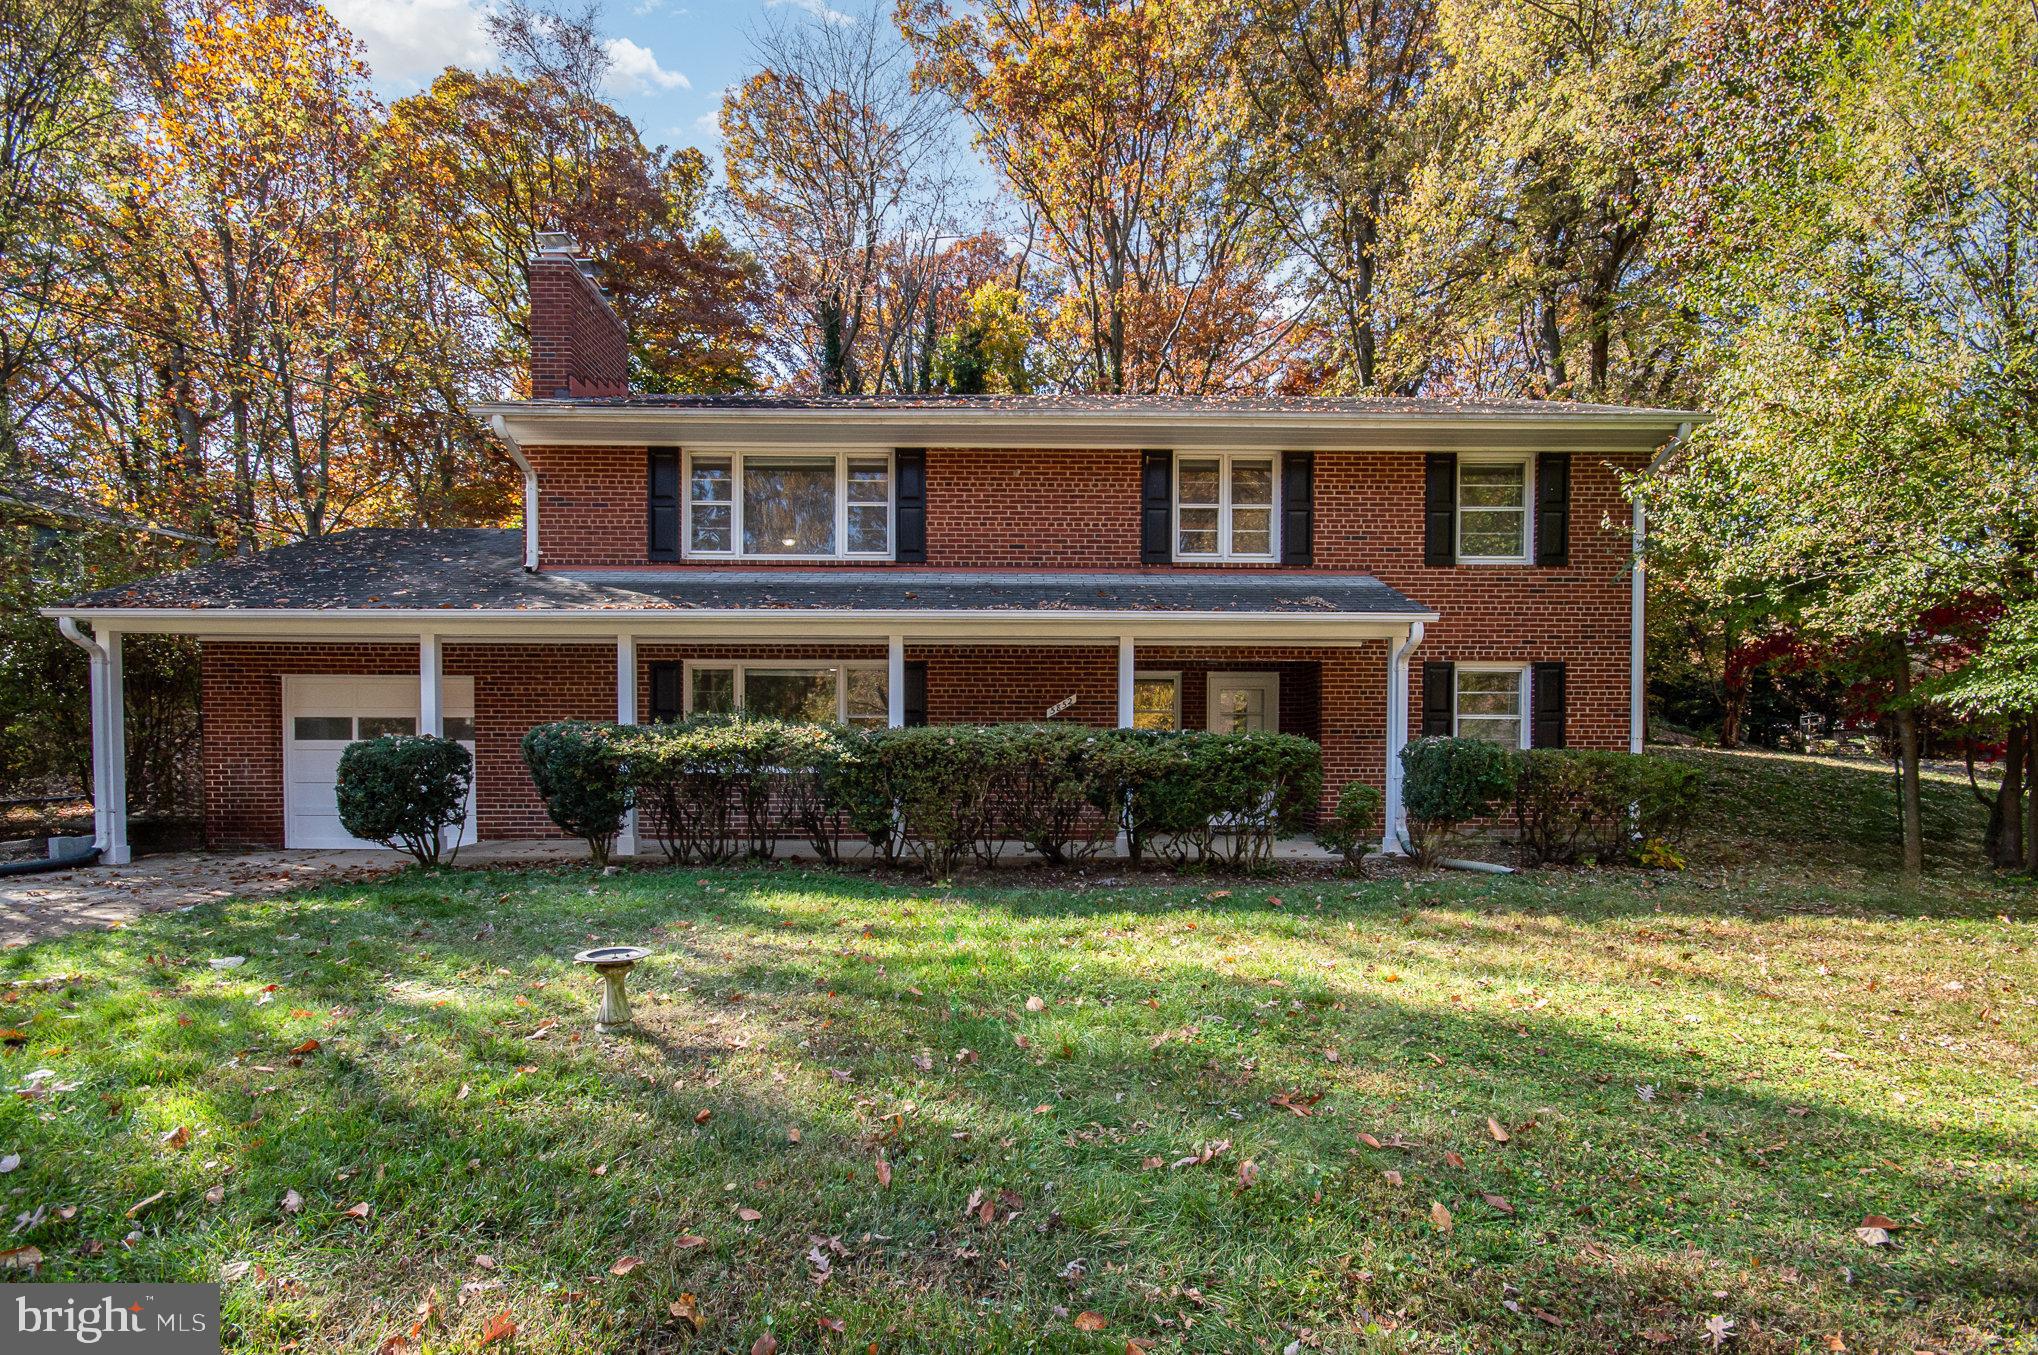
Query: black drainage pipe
{"points": [[45, 866]]}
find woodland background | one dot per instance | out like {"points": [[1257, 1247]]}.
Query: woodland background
{"points": [[244, 302]]}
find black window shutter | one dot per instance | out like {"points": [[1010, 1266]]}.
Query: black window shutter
{"points": [[665, 698], [1156, 507], [1546, 727], [1298, 508], [1440, 509], [662, 493], [916, 692], [1553, 508], [910, 465], [1439, 699]]}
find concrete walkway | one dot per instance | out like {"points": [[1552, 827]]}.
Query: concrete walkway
{"points": [[33, 907]]}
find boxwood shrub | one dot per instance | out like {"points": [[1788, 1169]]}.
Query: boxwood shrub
{"points": [[403, 790], [579, 771], [1582, 804], [1447, 782]]}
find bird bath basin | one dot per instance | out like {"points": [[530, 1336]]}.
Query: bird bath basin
{"points": [[612, 963]]}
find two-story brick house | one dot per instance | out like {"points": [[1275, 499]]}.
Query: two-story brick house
{"points": [[1348, 570]]}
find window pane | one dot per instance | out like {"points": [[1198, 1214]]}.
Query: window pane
{"points": [[712, 482], [870, 480], [714, 691], [789, 507], [1196, 482], [870, 526], [1499, 731], [331, 727], [375, 726], [1252, 531], [1153, 703], [1198, 532], [867, 697], [1491, 531], [1252, 482], [1492, 486], [1489, 694], [711, 527], [459, 728], [805, 696]]}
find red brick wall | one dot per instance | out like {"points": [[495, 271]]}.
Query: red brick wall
{"points": [[578, 345], [592, 505]]}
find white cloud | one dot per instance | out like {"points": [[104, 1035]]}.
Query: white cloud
{"points": [[410, 41], [635, 70], [820, 9]]}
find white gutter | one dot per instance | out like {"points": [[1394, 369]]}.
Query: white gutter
{"points": [[1393, 818], [449, 619], [500, 426], [1638, 608]]}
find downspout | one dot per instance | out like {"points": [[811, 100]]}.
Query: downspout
{"points": [[500, 427], [1393, 839]]}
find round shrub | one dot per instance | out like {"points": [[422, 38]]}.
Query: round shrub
{"points": [[578, 768], [1354, 826], [404, 790], [1446, 782]]}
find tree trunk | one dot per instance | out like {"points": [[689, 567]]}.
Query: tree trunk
{"points": [[2031, 795], [2003, 844], [1907, 754]]}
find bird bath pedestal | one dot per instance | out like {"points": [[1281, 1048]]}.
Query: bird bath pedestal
{"points": [[612, 963]]}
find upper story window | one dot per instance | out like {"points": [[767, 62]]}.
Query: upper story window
{"points": [[1493, 510], [1224, 506], [789, 506]]}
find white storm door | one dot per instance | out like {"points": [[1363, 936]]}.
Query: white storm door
{"points": [[1242, 703], [322, 715]]}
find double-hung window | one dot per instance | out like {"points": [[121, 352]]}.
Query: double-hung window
{"points": [[1493, 510], [1224, 506], [836, 693], [1157, 701], [1492, 703], [772, 505]]}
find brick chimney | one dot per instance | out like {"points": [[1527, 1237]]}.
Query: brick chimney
{"points": [[579, 346]]}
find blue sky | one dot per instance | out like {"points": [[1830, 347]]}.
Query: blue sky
{"points": [[672, 58]]}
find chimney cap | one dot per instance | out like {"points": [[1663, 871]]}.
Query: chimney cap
{"points": [[557, 245]]}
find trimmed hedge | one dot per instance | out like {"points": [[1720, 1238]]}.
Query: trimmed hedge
{"points": [[402, 790], [578, 768], [717, 787], [1570, 804], [1354, 827]]}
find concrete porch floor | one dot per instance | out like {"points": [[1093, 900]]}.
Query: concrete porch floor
{"points": [[34, 907]]}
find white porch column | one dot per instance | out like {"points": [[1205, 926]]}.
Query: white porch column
{"points": [[431, 709], [1391, 816], [1126, 666], [626, 714], [108, 706], [895, 682]]}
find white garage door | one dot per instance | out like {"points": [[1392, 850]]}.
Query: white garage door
{"points": [[322, 715]]}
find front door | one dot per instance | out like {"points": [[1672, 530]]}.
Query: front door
{"points": [[322, 715], [1242, 703]]}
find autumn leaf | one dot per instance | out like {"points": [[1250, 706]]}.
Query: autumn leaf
{"points": [[1034, 1004], [1248, 1174], [1440, 1216], [308, 1047], [1497, 1201], [359, 1211], [1451, 1159], [766, 1344], [1203, 1154], [686, 1308], [834, 1324], [215, 1194], [1089, 1321], [625, 1264], [1296, 1102], [747, 1214], [9, 1163], [688, 1241], [176, 1138], [884, 1170], [293, 1203], [1393, 1177], [499, 1328], [1718, 1329], [1494, 1128], [140, 1205], [702, 1116], [21, 1258]]}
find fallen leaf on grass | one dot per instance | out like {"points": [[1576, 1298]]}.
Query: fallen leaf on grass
{"points": [[686, 1308], [1451, 1159], [1135, 1346], [215, 1194], [703, 1116], [834, 1324], [748, 1215], [308, 1047], [884, 1170], [1089, 1321], [21, 1258], [1874, 1237], [625, 1264], [1393, 1177], [1497, 1201], [485, 1261], [293, 1203], [360, 1210], [1499, 1134], [688, 1241], [1034, 1004], [500, 1328], [1440, 1216], [1203, 1154], [140, 1205], [1718, 1329], [176, 1138], [9, 1163], [1295, 1102], [1248, 1173], [766, 1344]]}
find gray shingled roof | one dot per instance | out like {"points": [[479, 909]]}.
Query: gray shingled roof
{"points": [[470, 569]]}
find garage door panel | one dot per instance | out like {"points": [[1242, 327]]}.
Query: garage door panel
{"points": [[330, 712]]}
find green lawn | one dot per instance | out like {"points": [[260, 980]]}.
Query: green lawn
{"points": [[1706, 1081]]}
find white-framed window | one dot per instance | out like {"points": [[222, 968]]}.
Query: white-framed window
{"points": [[1492, 702], [1226, 505], [817, 693], [1157, 701], [790, 505], [1494, 493]]}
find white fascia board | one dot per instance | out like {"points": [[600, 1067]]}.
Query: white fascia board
{"points": [[1633, 431], [753, 625]]}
